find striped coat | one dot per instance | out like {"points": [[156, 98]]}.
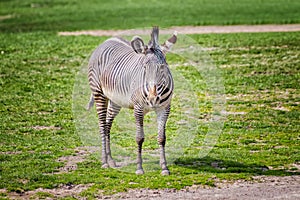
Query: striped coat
{"points": [[131, 75]]}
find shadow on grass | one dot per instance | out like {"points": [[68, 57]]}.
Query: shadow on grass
{"points": [[212, 165]]}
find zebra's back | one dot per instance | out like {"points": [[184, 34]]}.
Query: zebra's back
{"points": [[114, 68]]}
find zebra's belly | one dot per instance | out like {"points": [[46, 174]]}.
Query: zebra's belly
{"points": [[120, 99]]}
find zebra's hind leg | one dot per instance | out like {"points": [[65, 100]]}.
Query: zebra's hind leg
{"points": [[101, 107], [162, 116], [139, 117], [112, 111]]}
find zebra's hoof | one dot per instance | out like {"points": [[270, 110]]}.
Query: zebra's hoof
{"points": [[105, 166], [139, 172], [112, 164], [165, 172]]}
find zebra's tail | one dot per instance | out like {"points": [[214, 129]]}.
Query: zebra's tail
{"points": [[91, 102]]}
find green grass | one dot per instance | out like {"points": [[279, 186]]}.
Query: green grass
{"points": [[58, 15], [37, 74], [260, 71]]}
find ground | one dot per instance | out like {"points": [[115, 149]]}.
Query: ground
{"points": [[261, 187], [198, 30]]}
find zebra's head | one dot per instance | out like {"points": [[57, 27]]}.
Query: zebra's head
{"points": [[157, 74]]}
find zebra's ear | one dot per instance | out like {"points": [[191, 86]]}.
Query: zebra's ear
{"points": [[153, 43], [138, 45], [169, 43]]}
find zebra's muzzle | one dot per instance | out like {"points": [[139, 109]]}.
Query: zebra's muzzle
{"points": [[153, 96], [152, 92]]}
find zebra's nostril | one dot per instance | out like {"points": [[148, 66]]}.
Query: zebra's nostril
{"points": [[154, 101], [157, 99]]}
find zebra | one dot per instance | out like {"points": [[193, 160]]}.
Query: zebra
{"points": [[136, 76]]}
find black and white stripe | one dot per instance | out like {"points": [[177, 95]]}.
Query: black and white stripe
{"points": [[131, 75]]}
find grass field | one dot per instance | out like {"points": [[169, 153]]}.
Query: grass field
{"points": [[59, 15], [261, 78]]}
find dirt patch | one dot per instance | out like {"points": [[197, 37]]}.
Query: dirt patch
{"points": [[71, 161], [38, 128], [4, 17], [261, 187], [264, 95], [195, 30], [66, 190]]}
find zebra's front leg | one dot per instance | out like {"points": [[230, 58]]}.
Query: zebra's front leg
{"points": [[139, 119], [162, 117]]}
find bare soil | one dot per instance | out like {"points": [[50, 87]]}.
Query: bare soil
{"points": [[262, 187], [195, 30]]}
